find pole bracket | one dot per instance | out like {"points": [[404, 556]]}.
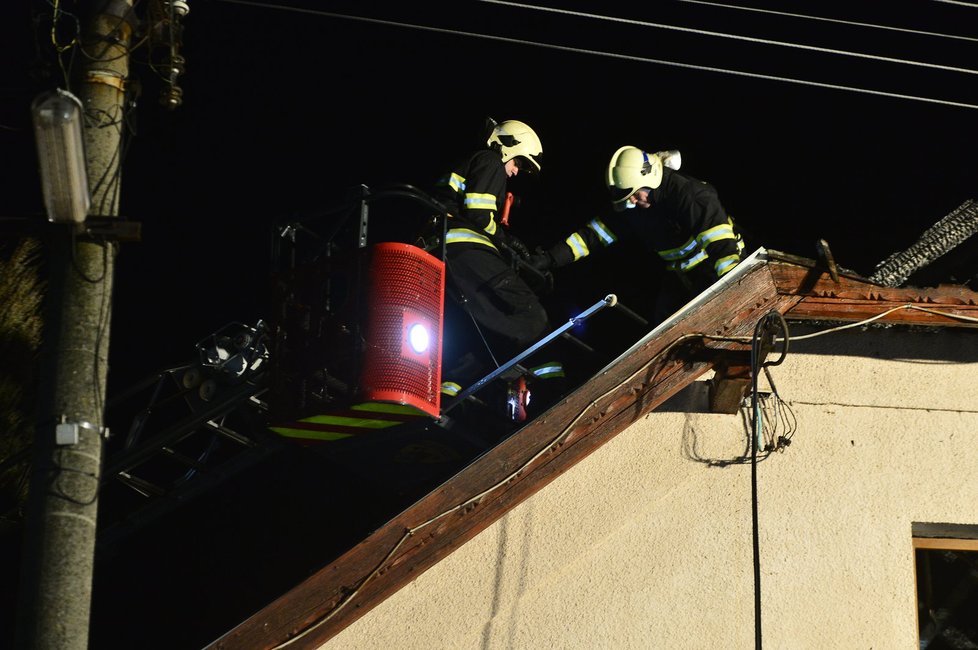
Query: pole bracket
{"points": [[113, 228]]}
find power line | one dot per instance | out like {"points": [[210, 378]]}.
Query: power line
{"points": [[958, 2], [736, 37], [832, 20], [625, 57]]}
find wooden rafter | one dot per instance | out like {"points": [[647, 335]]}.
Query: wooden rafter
{"points": [[852, 298]]}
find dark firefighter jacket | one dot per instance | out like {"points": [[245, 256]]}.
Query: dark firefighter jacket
{"points": [[474, 192], [686, 226], [479, 254]]}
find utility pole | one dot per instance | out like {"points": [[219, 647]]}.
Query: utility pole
{"points": [[59, 552]]}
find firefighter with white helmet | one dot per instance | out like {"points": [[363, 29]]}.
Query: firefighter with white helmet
{"points": [[480, 276], [629, 171], [677, 216], [517, 142]]}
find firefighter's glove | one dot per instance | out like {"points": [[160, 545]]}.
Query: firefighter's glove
{"points": [[542, 261], [518, 247], [540, 279]]}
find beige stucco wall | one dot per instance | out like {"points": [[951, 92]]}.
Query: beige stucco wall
{"points": [[643, 546]]}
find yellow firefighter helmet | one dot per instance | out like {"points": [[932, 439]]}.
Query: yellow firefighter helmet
{"points": [[515, 139], [630, 170]]}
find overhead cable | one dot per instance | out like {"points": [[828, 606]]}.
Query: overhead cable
{"points": [[736, 37], [958, 2], [831, 20], [626, 57], [866, 321]]}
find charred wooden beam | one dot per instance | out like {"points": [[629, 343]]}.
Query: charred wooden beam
{"points": [[854, 299], [826, 253]]}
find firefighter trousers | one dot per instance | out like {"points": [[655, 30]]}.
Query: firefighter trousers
{"points": [[508, 313]]}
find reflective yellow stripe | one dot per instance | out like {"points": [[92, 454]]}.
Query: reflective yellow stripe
{"points": [[548, 370], [362, 423], [716, 233], [726, 264], [682, 259], [311, 435], [385, 407], [740, 240], [689, 264], [476, 201], [603, 232], [450, 388], [453, 180], [577, 246], [672, 254], [466, 236], [456, 182], [335, 427]]}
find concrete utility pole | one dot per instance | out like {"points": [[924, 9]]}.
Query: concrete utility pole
{"points": [[59, 553]]}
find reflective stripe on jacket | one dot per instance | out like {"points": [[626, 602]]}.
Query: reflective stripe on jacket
{"points": [[694, 251], [685, 226], [472, 191]]}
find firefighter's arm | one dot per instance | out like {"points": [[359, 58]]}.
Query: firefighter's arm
{"points": [[579, 244], [718, 238]]}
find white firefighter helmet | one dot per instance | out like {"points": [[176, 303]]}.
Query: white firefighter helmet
{"points": [[515, 139], [630, 170]]}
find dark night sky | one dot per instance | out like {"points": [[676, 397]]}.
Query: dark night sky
{"points": [[285, 111]]}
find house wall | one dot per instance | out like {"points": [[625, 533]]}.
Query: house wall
{"points": [[648, 544]]}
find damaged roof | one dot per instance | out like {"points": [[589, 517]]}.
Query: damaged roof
{"points": [[712, 331]]}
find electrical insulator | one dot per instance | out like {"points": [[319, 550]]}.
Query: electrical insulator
{"points": [[171, 96], [180, 7], [176, 66]]}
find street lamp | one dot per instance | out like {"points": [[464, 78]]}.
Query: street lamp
{"points": [[57, 119]]}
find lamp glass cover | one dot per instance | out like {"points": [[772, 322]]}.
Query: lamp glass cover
{"points": [[57, 117]]}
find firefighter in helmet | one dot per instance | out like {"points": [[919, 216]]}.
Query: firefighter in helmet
{"points": [[481, 275], [677, 216]]}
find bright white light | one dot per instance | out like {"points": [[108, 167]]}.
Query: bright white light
{"points": [[418, 338]]}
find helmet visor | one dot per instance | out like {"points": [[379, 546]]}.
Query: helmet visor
{"points": [[619, 197], [528, 164], [620, 194]]}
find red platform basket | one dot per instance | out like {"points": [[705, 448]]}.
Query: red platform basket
{"points": [[403, 333]]}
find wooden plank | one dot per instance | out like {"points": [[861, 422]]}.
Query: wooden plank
{"points": [[426, 532], [853, 299], [728, 387], [945, 543]]}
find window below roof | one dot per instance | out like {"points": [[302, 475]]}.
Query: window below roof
{"points": [[946, 566]]}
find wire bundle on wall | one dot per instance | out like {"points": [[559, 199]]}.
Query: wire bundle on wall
{"points": [[764, 337]]}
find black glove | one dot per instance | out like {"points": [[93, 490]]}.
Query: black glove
{"points": [[541, 260], [518, 247]]}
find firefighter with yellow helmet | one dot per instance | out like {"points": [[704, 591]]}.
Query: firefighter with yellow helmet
{"points": [[480, 275], [672, 213]]}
